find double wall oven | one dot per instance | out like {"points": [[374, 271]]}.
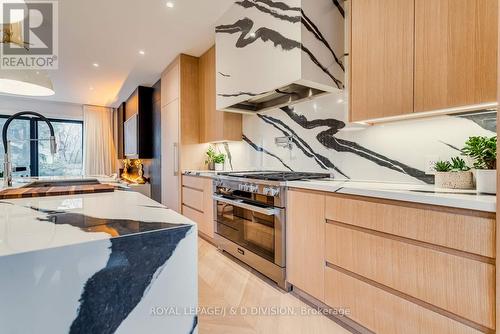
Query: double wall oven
{"points": [[250, 220]]}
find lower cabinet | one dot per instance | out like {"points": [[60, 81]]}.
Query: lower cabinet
{"points": [[197, 203], [385, 312], [305, 262], [362, 255]]}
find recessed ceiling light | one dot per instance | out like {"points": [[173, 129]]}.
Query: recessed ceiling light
{"points": [[91, 88], [170, 4], [341, 100], [142, 52], [95, 64]]}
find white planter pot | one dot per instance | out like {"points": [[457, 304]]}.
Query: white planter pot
{"points": [[454, 180], [219, 167], [486, 181]]}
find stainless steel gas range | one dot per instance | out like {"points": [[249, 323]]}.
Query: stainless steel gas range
{"points": [[250, 218]]}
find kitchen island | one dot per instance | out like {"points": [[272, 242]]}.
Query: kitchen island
{"points": [[114, 262]]}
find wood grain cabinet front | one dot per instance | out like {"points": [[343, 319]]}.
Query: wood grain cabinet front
{"points": [[383, 312], [412, 56], [305, 242], [399, 267], [462, 286], [464, 230], [455, 53], [197, 203], [215, 125]]}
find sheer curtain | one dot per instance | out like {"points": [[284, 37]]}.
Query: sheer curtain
{"points": [[99, 156]]}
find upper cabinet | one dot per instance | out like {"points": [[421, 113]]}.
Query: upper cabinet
{"points": [[138, 124], [455, 53], [412, 56], [274, 54], [214, 125], [381, 62]]}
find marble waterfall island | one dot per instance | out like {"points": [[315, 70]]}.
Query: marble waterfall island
{"points": [[114, 262]]}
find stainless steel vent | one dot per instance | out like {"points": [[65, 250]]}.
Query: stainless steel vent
{"points": [[278, 98]]}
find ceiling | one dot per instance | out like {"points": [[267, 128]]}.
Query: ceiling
{"points": [[112, 32]]}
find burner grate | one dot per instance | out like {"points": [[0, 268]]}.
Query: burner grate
{"points": [[278, 176]]}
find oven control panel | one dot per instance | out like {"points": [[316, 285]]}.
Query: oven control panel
{"points": [[228, 187], [248, 187]]}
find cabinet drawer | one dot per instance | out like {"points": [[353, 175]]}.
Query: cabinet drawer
{"points": [[193, 198], [454, 228], [460, 285], [194, 215], [384, 312], [194, 182]]}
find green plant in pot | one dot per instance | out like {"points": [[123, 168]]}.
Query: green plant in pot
{"points": [[214, 160], [210, 157], [219, 160], [454, 174], [483, 151]]}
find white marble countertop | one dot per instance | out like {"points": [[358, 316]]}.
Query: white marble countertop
{"points": [[31, 224], [425, 194]]}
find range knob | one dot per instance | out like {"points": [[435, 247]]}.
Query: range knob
{"points": [[254, 188], [246, 187], [274, 192], [265, 191]]}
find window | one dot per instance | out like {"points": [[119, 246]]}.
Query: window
{"points": [[19, 130], [35, 155]]}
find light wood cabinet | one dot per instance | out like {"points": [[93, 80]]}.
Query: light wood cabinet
{"points": [[465, 230], [197, 203], [381, 62], [384, 312], [399, 267], [455, 53], [305, 239], [410, 56], [179, 125], [460, 285], [215, 125]]}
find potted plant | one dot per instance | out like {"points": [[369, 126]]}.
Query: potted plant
{"points": [[453, 175], [483, 150], [219, 160], [210, 153], [214, 160]]}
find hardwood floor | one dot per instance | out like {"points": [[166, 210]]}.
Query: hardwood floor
{"points": [[224, 284]]}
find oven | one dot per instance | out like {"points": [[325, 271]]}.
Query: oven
{"points": [[250, 224]]}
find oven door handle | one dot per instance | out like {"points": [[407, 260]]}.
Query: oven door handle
{"points": [[240, 204]]}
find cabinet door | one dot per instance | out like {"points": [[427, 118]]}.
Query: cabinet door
{"points": [[215, 125], [207, 226], [170, 83], [381, 58], [455, 53], [170, 155], [305, 233]]}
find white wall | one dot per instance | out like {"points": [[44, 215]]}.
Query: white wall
{"points": [[10, 105]]}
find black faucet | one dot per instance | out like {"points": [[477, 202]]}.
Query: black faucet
{"points": [[7, 177]]}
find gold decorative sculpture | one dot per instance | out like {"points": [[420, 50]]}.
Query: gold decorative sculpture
{"points": [[133, 171]]}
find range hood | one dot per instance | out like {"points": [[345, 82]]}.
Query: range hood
{"points": [[271, 54]]}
